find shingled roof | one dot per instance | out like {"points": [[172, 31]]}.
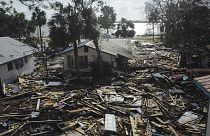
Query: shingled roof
{"points": [[11, 49]]}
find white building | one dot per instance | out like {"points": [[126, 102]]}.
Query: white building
{"points": [[115, 51], [15, 59]]}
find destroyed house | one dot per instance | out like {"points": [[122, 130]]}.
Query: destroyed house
{"points": [[116, 52], [15, 59]]}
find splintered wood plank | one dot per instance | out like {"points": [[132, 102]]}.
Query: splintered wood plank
{"points": [[173, 130], [133, 126], [148, 130]]}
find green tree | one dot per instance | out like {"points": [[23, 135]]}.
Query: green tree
{"points": [[125, 29], [91, 32], [18, 25], [58, 29], [186, 24], [108, 18], [39, 19], [76, 20], [68, 23], [13, 23], [153, 19]]}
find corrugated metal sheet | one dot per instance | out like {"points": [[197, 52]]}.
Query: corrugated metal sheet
{"points": [[11, 49]]}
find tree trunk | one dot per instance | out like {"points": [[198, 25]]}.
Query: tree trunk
{"points": [[46, 68], [1, 89], [42, 54], [161, 37], [153, 28], [100, 61], [107, 31], [37, 35], [183, 62], [40, 36], [41, 43], [76, 60], [19, 38]]}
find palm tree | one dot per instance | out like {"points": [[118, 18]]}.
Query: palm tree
{"points": [[58, 29], [153, 19], [68, 19], [74, 30], [77, 21], [39, 19]]}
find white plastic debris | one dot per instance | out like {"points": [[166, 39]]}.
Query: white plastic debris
{"points": [[187, 117], [110, 123]]}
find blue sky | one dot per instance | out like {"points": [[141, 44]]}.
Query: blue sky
{"points": [[130, 9]]}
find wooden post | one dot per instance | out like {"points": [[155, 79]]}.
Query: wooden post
{"points": [[208, 121]]}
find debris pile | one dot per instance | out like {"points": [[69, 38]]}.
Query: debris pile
{"points": [[145, 102], [154, 56]]}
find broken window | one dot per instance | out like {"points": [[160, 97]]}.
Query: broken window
{"points": [[70, 61], [83, 61], [18, 63], [9, 66], [86, 49]]}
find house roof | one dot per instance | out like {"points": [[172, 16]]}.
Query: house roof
{"points": [[11, 49], [107, 46]]}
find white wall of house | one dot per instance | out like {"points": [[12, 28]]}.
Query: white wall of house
{"points": [[9, 76], [92, 56]]}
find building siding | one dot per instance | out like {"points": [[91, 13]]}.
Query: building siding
{"points": [[92, 56], [9, 76]]}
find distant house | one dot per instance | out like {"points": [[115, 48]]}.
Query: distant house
{"points": [[15, 59], [115, 51]]}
